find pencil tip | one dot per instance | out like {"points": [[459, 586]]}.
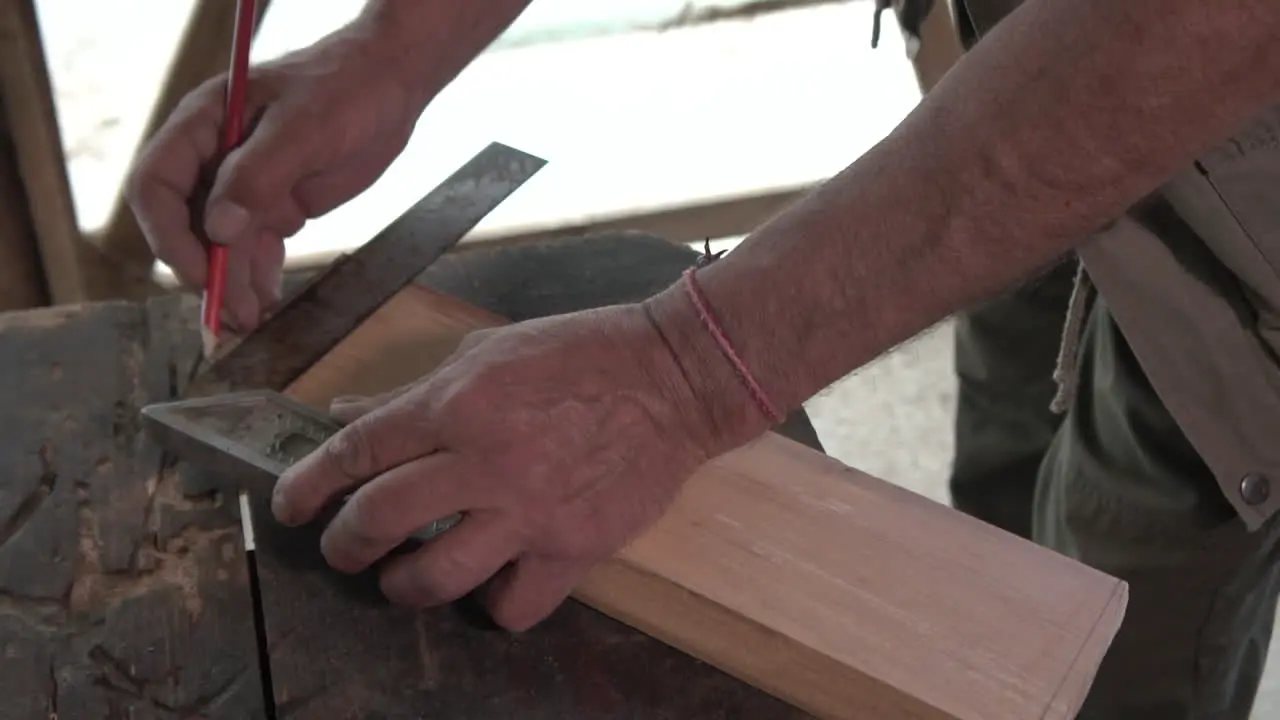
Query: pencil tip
{"points": [[246, 523], [208, 342]]}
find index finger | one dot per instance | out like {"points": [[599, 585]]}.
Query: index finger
{"points": [[392, 435], [167, 174]]}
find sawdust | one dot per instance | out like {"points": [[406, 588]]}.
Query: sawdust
{"points": [[193, 555], [89, 560]]}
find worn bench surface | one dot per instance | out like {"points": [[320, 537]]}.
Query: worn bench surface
{"points": [[120, 598]]}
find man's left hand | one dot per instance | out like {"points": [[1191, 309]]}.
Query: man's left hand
{"points": [[559, 439]]}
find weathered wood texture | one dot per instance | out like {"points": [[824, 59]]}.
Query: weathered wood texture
{"points": [[118, 597], [28, 103], [841, 593], [74, 270], [391, 663], [22, 283], [338, 651]]}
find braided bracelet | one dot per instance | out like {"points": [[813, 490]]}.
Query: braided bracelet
{"points": [[712, 325]]}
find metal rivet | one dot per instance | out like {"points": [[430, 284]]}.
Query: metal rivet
{"points": [[1255, 488]]}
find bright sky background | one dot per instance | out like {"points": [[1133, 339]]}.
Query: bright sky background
{"points": [[626, 119]]}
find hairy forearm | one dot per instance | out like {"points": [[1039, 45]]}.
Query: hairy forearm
{"points": [[1068, 113], [432, 41]]}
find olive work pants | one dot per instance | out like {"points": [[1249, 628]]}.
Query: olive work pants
{"points": [[1115, 484]]}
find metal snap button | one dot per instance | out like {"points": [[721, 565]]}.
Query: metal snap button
{"points": [[1255, 488]]}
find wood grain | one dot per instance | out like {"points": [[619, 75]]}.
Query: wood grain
{"points": [[33, 122], [839, 592], [22, 284], [940, 47], [118, 596]]}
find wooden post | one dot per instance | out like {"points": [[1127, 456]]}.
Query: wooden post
{"points": [[22, 282], [33, 123], [939, 45]]}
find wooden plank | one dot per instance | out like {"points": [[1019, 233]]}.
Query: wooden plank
{"points": [[838, 592], [578, 664], [29, 105], [118, 597], [203, 53], [22, 282]]}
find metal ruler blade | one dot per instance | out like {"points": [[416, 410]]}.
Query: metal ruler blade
{"points": [[334, 303]]}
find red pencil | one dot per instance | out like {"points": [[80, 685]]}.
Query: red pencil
{"points": [[232, 136]]}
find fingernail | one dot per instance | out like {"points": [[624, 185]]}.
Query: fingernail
{"points": [[245, 308], [229, 319], [346, 400], [226, 222], [280, 506]]}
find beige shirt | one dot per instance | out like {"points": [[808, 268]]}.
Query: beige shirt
{"points": [[1192, 277]]}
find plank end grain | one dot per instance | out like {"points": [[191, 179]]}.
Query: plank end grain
{"points": [[1066, 704], [118, 596]]}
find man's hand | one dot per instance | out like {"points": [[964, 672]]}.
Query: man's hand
{"points": [[560, 439], [325, 123]]}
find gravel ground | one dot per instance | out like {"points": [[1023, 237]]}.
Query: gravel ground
{"points": [[891, 419]]}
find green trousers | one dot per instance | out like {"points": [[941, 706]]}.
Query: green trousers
{"points": [[1115, 484]]}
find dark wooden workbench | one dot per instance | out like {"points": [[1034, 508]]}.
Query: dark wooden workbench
{"points": [[120, 598]]}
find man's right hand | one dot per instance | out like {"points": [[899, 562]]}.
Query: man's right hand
{"points": [[323, 124]]}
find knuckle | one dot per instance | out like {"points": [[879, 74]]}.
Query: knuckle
{"points": [[576, 540], [451, 575], [467, 401], [370, 517], [473, 339], [142, 182], [350, 452], [137, 182], [202, 97], [245, 184]]}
